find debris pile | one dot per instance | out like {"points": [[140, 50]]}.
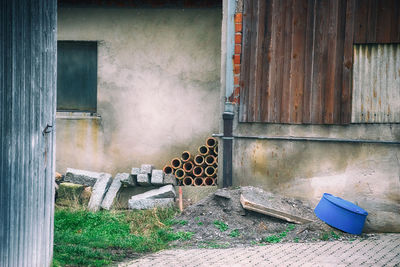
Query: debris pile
{"points": [[200, 170], [99, 190], [221, 220]]}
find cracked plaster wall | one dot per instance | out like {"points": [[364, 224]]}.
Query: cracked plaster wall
{"points": [[158, 86]]}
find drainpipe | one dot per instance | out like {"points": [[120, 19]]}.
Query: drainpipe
{"points": [[228, 114]]}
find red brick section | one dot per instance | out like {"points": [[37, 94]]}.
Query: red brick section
{"points": [[237, 58]]}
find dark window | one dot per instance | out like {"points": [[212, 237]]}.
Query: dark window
{"points": [[77, 76]]}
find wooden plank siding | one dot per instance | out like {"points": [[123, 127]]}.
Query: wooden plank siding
{"points": [[298, 56]]}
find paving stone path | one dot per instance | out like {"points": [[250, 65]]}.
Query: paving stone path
{"points": [[382, 251]]}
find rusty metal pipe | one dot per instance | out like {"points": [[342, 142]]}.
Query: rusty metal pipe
{"points": [[210, 171], [211, 142], [208, 181], [198, 181], [168, 169], [210, 160], [199, 160], [188, 166], [180, 174], [186, 156], [176, 163], [187, 180], [198, 171], [203, 150]]}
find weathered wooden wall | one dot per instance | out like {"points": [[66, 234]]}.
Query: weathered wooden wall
{"points": [[27, 106], [297, 56]]}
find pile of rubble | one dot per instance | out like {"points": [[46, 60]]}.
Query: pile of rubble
{"points": [[99, 190]]}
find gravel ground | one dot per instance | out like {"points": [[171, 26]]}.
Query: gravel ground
{"points": [[219, 221]]}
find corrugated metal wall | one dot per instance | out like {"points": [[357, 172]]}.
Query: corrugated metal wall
{"points": [[27, 106], [376, 83]]}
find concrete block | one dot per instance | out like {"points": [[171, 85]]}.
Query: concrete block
{"points": [[99, 191], [169, 179], [82, 177], [146, 168], [157, 177], [149, 203], [125, 179], [68, 192], [166, 191], [112, 191], [143, 179]]}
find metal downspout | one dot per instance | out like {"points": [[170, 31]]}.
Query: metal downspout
{"points": [[228, 114]]}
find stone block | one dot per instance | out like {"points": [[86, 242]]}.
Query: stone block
{"points": [[149, 203], [143, 179], [82, 177], [99, 191], [157, 177], [166, 191], [169, 179], [112, 191], [125, 179], [69, 193], [146, 168]]}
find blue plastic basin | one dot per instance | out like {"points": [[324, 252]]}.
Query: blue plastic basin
{"points": [[341, 214]]}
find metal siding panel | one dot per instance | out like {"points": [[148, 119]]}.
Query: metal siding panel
{"points": [[27, 105], [376, 83]]}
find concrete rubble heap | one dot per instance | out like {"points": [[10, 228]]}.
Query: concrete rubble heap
{"points": [[200, 170], [99, 190]]}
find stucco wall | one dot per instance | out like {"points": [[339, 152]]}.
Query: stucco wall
{"points": [[367, 174], [158, 86]]}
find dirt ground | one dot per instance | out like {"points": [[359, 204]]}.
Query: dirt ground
{"points": [[220, 221]]}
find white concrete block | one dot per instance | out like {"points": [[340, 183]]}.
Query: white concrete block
{"points": [[113, 191], [157, 177], [150, 203], [82, 177], [99, 191]]}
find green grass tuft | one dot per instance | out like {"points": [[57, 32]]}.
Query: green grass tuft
{"points": [[221, 226], [98, 239], [234, 233]]}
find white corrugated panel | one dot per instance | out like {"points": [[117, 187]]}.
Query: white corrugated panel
{"points": [[376, 83]]}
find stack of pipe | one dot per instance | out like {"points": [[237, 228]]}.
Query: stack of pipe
{"points": [[198, 170]]}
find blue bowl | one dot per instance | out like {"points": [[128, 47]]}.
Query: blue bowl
{"points": [[341, 214]]}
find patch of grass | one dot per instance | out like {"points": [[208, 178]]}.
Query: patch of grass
{"points": [[272, 239], [325, 236], [296, 240], [234, 233], [200, 223], [97, 239], [173, 222], [221, 225], [278, 237], [213, 244]]}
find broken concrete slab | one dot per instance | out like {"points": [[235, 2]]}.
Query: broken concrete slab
{"points": [[258, 200], [143, 179], [224, 193], [149, 203], [82, 177], [146, 168], [112, 191], [125, 179], [157, 177], [166, 191], [169, 179], [99, 191]]}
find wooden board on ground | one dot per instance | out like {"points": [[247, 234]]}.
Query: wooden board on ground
{"points": [[250, 201]]}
